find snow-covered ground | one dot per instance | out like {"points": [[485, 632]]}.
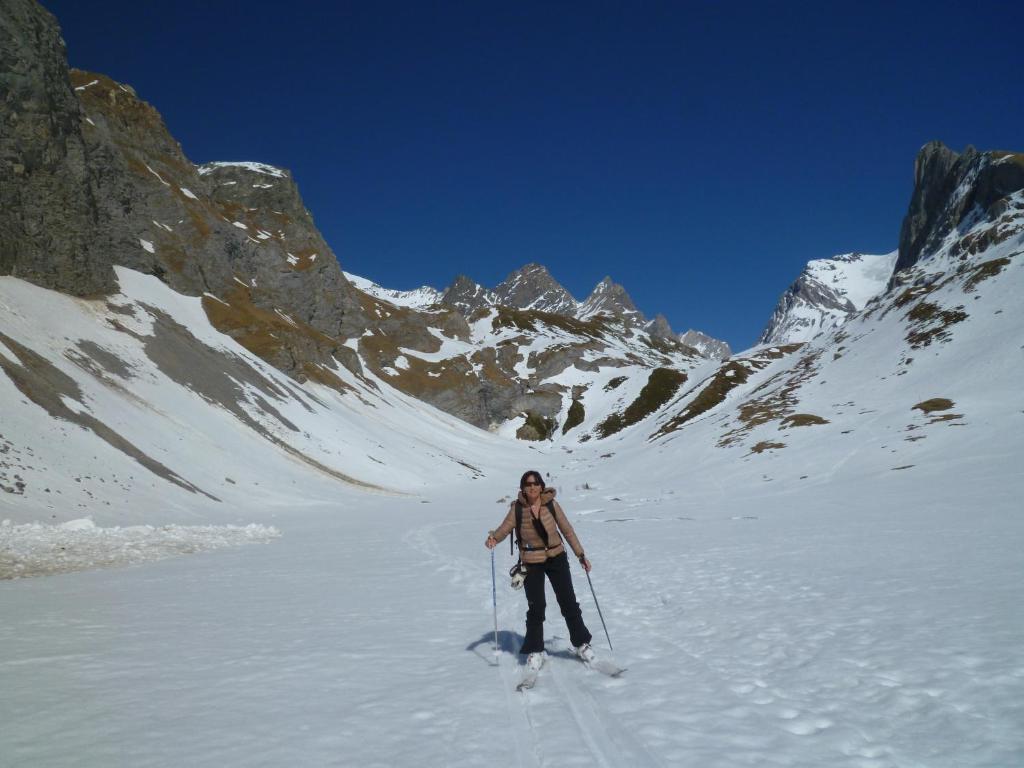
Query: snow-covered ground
{"points": [[762, 623]]}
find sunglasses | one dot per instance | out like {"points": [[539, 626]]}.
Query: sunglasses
{"points": [[528, 483]]}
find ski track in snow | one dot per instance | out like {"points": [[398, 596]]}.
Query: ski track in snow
{"points": [[766, 642], [804, 635]]}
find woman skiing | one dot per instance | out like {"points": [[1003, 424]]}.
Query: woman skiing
{"points": [[541, 525]]}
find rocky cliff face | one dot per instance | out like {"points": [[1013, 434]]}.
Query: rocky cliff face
{"points": [[952, 192], [52, 231]]}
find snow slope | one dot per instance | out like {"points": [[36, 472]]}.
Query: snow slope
{"points": [[826, 294], [793, 576]]}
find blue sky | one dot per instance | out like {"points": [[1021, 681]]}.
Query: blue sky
{"points": [[698, 153]]}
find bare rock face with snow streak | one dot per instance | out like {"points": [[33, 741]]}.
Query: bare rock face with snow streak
{"points": [[826, 294]]}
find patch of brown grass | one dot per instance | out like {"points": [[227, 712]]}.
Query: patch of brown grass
{"points": [[727, 378], [801, 420], [984, 271], [775, 405], [766, 445], [661, 386], [932, 323], [526, 320], [934, 404]]}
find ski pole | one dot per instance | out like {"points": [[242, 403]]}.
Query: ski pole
{"points": [[494, 601], [598, 611]]}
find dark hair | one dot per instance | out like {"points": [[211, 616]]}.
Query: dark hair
{"points": [[526, 476]]}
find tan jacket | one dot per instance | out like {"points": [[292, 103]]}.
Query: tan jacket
{"points": [[556, 526]]}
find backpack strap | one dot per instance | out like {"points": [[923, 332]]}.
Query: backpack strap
{"points": [[518, 538]]}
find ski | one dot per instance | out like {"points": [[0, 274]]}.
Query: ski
{"points": [[604, 667], [528, 681], [530, 674]]}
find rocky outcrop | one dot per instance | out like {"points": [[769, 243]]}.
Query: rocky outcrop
{"points": [[659, 328], [52, 232], [952, 192]]}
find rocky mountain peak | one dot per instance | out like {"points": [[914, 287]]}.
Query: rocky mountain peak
{"points": [[608, 297], [466, 295], [533, 287]]}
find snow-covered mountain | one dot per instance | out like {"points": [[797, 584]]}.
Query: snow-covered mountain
{"points": [[826, 294], [420, 298]]}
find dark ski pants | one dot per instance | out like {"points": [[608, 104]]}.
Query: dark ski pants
{"points": [[557, 570]]}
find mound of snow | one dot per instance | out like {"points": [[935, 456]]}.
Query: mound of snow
{"points": [[38, 549]]}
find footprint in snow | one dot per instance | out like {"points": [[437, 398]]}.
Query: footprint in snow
{"points": [[808, 727]]}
